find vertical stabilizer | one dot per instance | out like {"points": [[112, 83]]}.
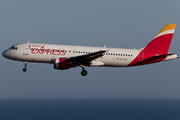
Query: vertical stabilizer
{"points": [[162, 40]]}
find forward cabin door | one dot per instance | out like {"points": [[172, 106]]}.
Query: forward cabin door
{"points": [[26, 49]]}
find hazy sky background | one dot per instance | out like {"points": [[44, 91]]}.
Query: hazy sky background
{"points": [[114, 23]]}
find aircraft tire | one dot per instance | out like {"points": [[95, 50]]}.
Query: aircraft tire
{"points": [[84, 72], [24, 69]]}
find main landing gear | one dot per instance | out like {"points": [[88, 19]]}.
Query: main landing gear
{"points": [[25, 65], [83, 72]]}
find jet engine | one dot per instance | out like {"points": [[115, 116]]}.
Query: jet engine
{"points": [[62, 64]]}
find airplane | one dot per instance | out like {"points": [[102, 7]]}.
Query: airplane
{"points": [[67, 56]]}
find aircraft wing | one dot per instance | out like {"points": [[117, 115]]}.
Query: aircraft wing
{"points": [[86, 59]]}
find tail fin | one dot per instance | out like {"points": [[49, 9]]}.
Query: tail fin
{"points": [[162, 40]]}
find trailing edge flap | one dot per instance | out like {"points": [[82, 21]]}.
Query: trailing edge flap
{"points": [[87, 58]]}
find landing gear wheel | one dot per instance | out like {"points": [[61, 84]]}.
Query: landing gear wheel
{"points": [[25, 65], [24, 69], [84, 72]]}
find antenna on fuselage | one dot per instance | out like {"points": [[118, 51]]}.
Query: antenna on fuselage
{"points": [[28, 41]]}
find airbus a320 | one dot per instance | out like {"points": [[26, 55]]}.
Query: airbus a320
{"points": [[67, 56]]}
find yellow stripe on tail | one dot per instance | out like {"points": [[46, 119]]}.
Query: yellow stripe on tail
{"points": [[168, 27]]}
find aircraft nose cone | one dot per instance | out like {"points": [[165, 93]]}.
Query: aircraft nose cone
{"points": [[5, 54]]}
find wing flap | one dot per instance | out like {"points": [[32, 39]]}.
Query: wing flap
{"points": [[86, 59]]}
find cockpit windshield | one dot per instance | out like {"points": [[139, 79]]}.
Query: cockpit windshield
{"points": [[13, 48]]}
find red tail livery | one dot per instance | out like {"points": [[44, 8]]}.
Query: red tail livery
{"points": [[157, 49]]}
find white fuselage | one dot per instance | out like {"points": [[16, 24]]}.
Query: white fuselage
{"points": [[46, 53]]}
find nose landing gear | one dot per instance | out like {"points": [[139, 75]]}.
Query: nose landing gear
{"points": [[25, 65], [83, 72]]}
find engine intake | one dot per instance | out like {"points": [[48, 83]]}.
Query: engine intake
{"points": [[62, 64]]}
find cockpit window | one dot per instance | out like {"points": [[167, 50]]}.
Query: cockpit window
{"points": [[13, 48]]}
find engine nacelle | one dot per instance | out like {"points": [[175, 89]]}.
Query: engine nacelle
{"points": [[62, 64]]}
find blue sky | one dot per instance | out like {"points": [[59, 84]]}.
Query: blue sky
{"points": [[116, 23]]}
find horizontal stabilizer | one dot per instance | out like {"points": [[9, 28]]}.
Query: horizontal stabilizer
{"points": [[158, 57]]}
